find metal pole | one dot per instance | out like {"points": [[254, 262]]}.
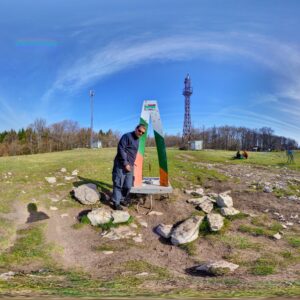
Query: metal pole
{"points": [[92, 94]]}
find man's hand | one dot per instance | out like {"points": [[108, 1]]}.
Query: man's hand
{"points": [[127, 168]]}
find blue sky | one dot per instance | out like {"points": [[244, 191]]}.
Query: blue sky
{"points": [[243, 58]]}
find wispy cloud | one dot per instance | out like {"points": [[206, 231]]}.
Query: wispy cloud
{"points": [[10, 116], [284, 60], [280, 59]]}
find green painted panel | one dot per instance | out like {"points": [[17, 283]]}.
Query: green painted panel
{"points": [[161, 151], [143, 138]]}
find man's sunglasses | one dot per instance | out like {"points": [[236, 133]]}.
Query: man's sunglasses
{"points": [[141, 131]]}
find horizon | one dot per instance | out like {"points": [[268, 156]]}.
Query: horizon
{"points": [[242, 57]]}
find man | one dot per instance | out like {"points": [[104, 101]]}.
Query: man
{"points": [[122, 174]]}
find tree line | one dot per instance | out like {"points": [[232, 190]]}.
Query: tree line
{"points": [[40, 138], [67, 135]]}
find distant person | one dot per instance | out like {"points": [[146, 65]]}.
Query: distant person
{"points": [[122, 174], [290, 156], [245, 154], [238, 155]]}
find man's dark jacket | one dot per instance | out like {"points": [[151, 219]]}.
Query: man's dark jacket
{"points": [[127, 149]]}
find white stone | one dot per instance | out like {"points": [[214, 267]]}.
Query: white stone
{"points": [[133, 225], [87, 193], [196, 201], [54, 199], [63, 170], [68, 178], [216, 268], [7, 275], [199, 191], [289, 224], [284, 226], [50, 179], [75, 173], [229, 211], [122, 232], [207, 206], [99, 216], [268, 189], [189, 192], [277, 236], [120, 216], [155, 213], [142, 274], [164, 230], [53, 208], [107, 252], [215, 221], [138, 239], [224, 200], [142, 222], [187, 231], [64, 215], [293, 198]]}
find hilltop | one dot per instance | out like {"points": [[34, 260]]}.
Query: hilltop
{"points": [[60, 255]]}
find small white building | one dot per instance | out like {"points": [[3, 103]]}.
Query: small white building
{"points": [[196, 145], [97, 144]]}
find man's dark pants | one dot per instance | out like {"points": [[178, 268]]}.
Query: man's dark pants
{"points": [[122, 183]]}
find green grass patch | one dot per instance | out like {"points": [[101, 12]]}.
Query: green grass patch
{"points": [[240, 242], [294, 241], [104, 248], [139, 266], [110, 224], [239, 216], [85, 220], [29, 246], [256, 231], [263, 267], [189, 248], [262, 220]]}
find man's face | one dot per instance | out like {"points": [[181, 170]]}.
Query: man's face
{"points": [[139, 131]]}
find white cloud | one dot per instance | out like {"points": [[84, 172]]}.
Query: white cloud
{"points": [[281, 59], [284, 60]]}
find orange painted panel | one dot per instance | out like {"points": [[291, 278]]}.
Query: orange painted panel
{"points": [[138, 170], [164, 180]]}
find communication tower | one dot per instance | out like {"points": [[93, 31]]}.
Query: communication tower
{"points": [[187, 124]]}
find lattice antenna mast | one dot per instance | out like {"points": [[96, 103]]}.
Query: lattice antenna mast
{"points": [[187, 125]]}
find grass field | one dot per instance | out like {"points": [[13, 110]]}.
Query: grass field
{"points": [[22, 180]]}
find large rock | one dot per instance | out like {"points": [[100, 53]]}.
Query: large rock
{"points": [[215, 221], [122, 232], [87, 194], [50, 180], [198, 201], [120, 216], [187, 231], [207, 206], [164, 230], [224, 200], [229, 211], [99, 216], [217, 268]]}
